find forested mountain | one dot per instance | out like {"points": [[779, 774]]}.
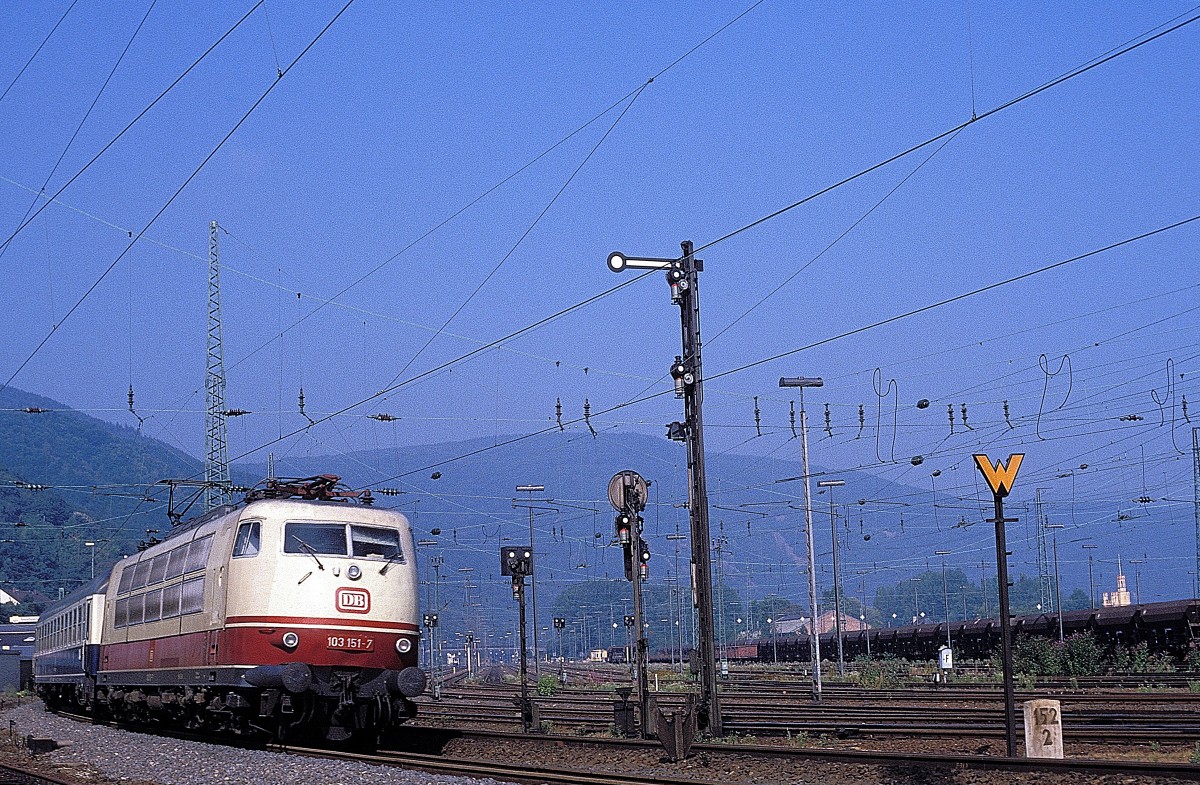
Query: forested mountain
{"points": [[66, 479]]}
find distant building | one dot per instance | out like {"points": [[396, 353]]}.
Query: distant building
{"points": [[1119, 597], [18, 597], [825, 624], [16, 656]]}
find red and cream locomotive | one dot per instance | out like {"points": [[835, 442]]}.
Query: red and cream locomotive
{"points": [[292, 612]]}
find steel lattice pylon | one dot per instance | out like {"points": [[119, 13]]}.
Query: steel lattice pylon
{"points": [[216, 450], [1045, 585]]}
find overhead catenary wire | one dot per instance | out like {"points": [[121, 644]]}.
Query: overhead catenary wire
{"points": [[521, 239], [1096, 63], [515, 173], [956, 298], [172, 199], [839, 336], [130, 124], [83, 120], [36, 51]]}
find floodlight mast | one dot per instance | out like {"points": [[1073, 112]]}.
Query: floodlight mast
{"points": [[837, 587], [531, 490], [814, 646]]}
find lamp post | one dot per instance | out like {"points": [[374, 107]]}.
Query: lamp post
{"points": [[467, 617], [774, 646], [1089, 547], [677, 597], [91, 546], [837, 591], [430, 602], [1057, 585], [945, 597], [1137, 580], [814, 639], [532, 489]]}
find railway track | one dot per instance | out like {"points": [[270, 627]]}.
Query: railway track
{"points": [[558, 760], [1110, 717], [15, 775], [891, 760]]}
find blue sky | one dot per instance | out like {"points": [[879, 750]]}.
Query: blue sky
{"points": [[402, 114]]}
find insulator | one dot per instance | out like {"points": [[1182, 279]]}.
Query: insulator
{"points": [[587, 416]]}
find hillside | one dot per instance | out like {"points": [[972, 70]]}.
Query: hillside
{"points": [[461, 499], [91, 477]]}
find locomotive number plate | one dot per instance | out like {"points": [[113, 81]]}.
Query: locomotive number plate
{"points": [[350, 643]]}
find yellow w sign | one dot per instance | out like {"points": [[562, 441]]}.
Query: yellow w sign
{"points": [[999, 477]]}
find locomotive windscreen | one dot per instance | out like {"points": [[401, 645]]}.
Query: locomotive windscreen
{"points": [[341, 539], [369, 541], [327, 539]]}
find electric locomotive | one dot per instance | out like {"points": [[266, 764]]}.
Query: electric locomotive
{"points": [[291, 613]]}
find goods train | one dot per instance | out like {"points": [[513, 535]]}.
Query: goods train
{"points": [[292, 613], [1170, 628]]}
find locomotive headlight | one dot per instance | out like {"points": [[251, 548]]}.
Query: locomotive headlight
{"points": [[403, 645], [353, 573], [290, 640]]}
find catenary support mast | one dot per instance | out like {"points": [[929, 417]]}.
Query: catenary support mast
{"points": [[216, 450]]}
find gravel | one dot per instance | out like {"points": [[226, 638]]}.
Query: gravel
{"points": [[97, 753]]}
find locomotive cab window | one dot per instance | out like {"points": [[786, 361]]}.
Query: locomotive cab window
{"points": [[326, 539], [370, 542], [247, 542], [342, 539]]}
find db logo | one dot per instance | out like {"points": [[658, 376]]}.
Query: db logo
{"points": [[353, 600]]}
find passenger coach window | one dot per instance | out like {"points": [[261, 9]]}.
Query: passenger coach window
{"points": [[140, 574], [158, 569], [381, 543], [126, 580], [153, 611], [176, 561], [192, 599], [328, 539], [170, 600], [198, 554], [136, 607], [247, 542]]}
